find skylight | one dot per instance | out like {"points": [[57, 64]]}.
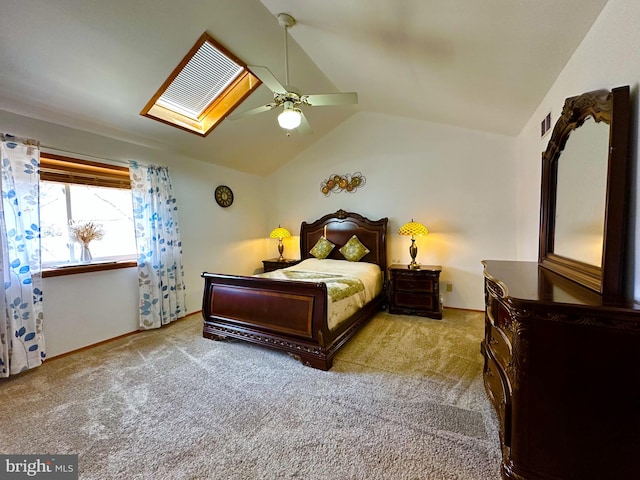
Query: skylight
{"points": [[203, 89]]}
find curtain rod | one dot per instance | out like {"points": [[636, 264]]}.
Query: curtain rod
{"points": [[81, 156]]}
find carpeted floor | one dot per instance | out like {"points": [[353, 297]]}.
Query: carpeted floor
{"points": [[404, 400]]}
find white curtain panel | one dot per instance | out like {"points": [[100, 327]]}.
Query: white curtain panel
{"points": [[22, 343], [160, 270]]}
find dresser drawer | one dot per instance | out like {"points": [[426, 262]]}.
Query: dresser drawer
{"points": [[499, 345], [412, 300], [416, 284], [502, 316], [492, 305], [500, 395], [498, 316]]}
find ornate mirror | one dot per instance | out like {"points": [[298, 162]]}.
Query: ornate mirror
{"points": [[584, 192]]}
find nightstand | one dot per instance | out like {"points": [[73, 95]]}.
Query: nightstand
{"points": [[275, 264], [415, 292]]}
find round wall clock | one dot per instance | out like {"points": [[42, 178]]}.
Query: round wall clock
{"points": [[224, 196]]}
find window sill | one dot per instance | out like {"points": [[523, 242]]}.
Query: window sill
{"points": [[90, 267]]}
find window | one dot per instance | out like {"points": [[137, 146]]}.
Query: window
{"points": [[203, 89], [74, 192]]}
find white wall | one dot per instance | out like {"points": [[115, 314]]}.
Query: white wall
{"points": [[88, 308], [457, 182], [606, 58]]}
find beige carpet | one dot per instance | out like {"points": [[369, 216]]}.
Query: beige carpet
{"points": [[404, 400]]}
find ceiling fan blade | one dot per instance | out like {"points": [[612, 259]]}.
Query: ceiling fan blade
{"points": [[265, 75], [304, 126], [322, 99], [253, 111]]}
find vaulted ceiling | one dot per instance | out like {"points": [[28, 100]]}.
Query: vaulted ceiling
{"points": [[93, 65]]}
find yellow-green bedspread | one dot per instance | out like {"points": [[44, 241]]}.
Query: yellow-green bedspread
{"points": [[350, 285]]}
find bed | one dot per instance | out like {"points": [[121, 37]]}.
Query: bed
{"points": [[296, 311]]}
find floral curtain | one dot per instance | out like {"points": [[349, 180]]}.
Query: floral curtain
{"points": [[160, 271], [21, 321]]}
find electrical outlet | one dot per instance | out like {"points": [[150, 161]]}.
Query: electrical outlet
{"points": [[449, 287]]}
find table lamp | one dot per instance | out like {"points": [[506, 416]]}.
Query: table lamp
{"points": [[280, 233], [413, 228]]}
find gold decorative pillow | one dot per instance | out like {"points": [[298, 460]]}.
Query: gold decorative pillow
{"points": [[354, 250], [322, 248]]}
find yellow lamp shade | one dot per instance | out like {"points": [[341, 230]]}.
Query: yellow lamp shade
{"points": [[413, 228], [279, 233]]}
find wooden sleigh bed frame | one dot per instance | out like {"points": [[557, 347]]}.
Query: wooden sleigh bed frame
{"points": [[292, 315]]}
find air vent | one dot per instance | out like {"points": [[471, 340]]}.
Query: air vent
{"points": [[545, 125]]}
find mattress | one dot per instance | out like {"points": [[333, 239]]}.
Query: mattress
{"points": [[350, 285]]}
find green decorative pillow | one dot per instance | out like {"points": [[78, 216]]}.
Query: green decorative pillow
{"points": [[354, 250], [322, 248]]}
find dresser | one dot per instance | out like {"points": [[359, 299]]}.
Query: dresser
{"points": [[415, 292], [562, 371]]}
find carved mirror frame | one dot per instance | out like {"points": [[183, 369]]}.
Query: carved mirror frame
{"points": [[612, 108]]}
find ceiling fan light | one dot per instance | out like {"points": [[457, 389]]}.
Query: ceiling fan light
{"points": [[290, 119]]}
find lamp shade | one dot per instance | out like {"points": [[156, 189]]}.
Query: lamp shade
{"points": [[413, 228], [279, 233], [290, 118]]}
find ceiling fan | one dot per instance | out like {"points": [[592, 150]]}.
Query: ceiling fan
{"points": [[288, 97]]}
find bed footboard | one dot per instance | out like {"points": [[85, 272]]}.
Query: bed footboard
{"points": [[281, 314]]}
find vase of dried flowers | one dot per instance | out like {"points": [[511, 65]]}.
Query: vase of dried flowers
{"points": [[85, 233], [85, 254]]}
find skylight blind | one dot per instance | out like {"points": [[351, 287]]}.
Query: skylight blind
{"points": [[202, 79], [200, 92]]}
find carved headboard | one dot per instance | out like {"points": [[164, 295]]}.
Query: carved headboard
{"points": [[340, 227]]}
